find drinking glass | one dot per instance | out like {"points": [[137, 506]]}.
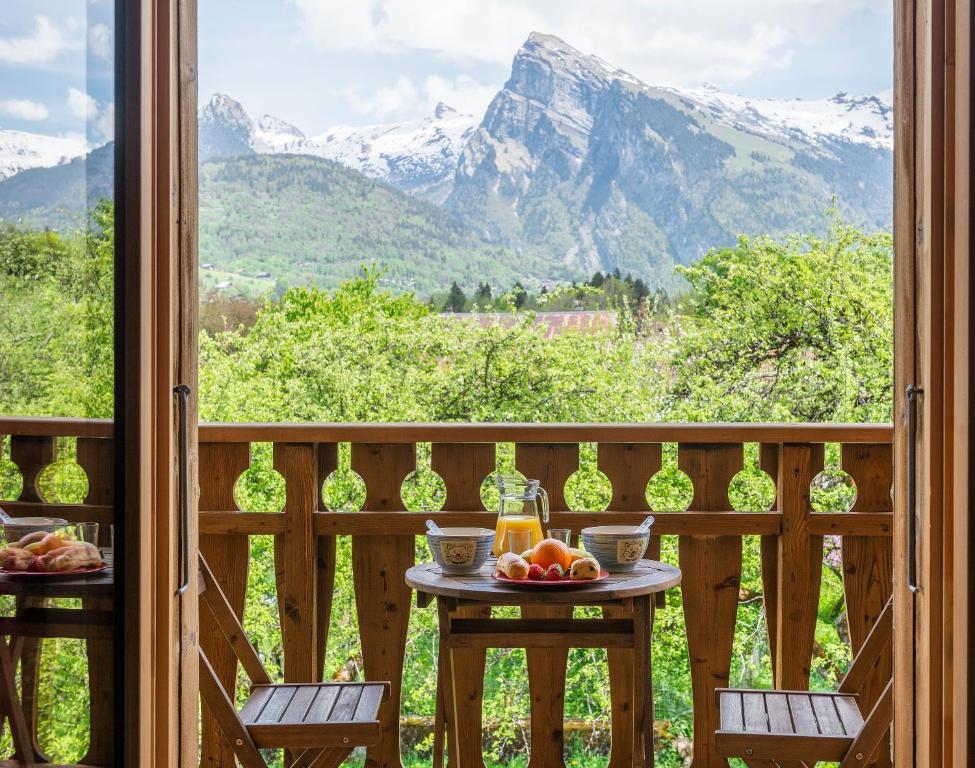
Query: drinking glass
{"points": [[519, 540], [87, 532], [562, 534]]}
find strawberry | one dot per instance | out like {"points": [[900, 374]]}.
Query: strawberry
{"points": [[554, 572], [536, 572]]}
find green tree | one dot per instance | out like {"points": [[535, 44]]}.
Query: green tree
{"points": [[799, 329], [456, 300]]}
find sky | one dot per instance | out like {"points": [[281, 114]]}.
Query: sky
{"points": [[318, 63]]}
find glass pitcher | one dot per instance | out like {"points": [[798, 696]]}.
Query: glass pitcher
{"points": [[518, 510]]}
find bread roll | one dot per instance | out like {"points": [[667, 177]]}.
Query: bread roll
{"points": [[584, 569], [69, 558], [512, 566]]}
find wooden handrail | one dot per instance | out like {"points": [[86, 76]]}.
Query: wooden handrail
{"points": [[383, 534], [46, 426]]}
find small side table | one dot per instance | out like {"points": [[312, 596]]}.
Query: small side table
{"points": [[545, 628]]}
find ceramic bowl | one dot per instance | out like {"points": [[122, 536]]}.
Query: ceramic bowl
{"points": [[616, 547], [15, 531], [461, 550]]}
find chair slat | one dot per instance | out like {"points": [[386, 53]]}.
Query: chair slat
{"points": [[280, 699], [826, 715], [756, 720], [372, 696], [779, 718], [346, 704], [803, 717], [850, 715], [299, 705], [255, 703], [321, 707], [732, 714]]}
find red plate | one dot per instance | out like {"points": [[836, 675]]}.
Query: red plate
{"points": [[77, 572], [565, 581]]}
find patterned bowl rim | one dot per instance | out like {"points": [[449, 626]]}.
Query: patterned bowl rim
{"points": [[471, 533], [620, 530]]}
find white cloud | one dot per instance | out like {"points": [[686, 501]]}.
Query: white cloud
{"points": [[23, 109], [81, 104], [405, 98], [386, 102], [463, 93], [674, 42], [100, 41], [41, 47], [104, 124], [99, 118]]}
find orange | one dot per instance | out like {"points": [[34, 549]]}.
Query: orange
{"points": [[550, 552]]}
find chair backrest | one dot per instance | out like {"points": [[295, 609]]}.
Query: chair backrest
{"points": [[878, 720], [214, 598], [878, 640]]}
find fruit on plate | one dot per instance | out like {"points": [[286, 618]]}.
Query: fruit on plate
{"points": [[554, 572], [70, 556], [550, 552], [49, 543], [584, 569], [78, 554], [536, 572], [578, 554]]}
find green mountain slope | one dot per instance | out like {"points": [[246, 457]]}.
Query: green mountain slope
{"points": [[307, 220]]}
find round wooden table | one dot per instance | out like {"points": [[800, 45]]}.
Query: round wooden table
{"points": [[546, 630], [35, 619]]}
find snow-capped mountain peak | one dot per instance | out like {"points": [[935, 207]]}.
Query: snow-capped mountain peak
{"points": [[20, 151], [271, 124]]}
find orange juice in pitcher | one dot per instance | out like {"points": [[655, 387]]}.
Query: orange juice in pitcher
{"points": [[518, 510]]}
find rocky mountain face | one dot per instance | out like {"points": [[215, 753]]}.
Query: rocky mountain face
{"points": [[583, 164]]}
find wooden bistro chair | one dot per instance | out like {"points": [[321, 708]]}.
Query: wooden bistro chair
{"points": [[318, 723], [797, 729]]}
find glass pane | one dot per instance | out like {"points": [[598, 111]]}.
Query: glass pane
{"points": [[57, 261]]}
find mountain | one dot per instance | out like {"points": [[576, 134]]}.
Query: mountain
{"points": [[59, 196], [576, 165], [20, 151], [582, 164], [304, 220], [418, 157]]}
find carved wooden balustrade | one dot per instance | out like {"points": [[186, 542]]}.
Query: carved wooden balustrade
{"points": [[383, 537]]}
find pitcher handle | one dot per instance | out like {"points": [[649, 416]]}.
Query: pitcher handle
{"points": [[544, 495]]}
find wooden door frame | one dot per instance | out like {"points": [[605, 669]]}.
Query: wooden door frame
{"points": [[933, 274], [155, 349]]}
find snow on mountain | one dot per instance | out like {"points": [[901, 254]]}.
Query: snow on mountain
{"points": [[418, 156], [858, 119], [20, 150]]}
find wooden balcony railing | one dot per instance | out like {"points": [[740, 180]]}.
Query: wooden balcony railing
{"points": [[384, 535]]}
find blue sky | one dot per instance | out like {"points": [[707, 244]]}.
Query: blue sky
{"points": [[318, 63]]}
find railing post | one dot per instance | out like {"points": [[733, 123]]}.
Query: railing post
{"points": [[552, 464], [463, 467], [868, 563], [800, 566], [629, 467], [327, 461], [228, 555], [96, 456], [769, 545], [32, 455], [382, 598], [712, 577], [295, 558]]}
